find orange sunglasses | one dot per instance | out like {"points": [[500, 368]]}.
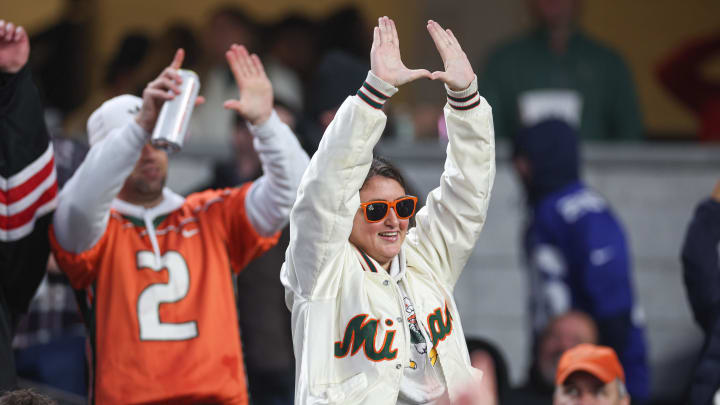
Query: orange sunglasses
{"points": [[377, 210]]}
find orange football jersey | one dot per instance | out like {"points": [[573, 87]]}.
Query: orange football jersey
{"points": [[165, 330]]}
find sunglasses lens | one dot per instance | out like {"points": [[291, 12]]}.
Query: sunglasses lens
{"points": [[405, 208], [376, 211]]}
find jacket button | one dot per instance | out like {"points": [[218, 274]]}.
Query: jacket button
{"points": [[386, 283], [398, 366], [399, 319]]}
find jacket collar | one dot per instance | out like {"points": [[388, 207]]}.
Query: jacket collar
{"points": [[397, 266]]}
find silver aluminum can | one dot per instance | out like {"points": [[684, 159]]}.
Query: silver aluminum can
{"points": [[172, 124]]}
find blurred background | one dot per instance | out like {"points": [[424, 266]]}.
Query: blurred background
{"points": [[642, 31], [86, 51]]}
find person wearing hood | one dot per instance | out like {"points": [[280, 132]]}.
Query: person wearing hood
{"points": [[156, 268], [575, 248]]}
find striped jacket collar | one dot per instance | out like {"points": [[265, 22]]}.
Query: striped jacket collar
{"points": [[397, 266]]}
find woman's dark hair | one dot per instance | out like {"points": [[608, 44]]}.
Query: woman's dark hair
{"points": [[382, 167]]}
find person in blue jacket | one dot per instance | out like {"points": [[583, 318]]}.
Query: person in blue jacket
{"points": [[701, 271], [576, 250]]}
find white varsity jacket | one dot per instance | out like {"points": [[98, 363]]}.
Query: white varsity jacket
{"points": [[349, 333]]}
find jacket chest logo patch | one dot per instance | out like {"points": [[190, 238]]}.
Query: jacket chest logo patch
{"points": [[440, 326], [361, 333]]}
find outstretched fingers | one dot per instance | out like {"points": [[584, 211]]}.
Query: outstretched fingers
{"points": [[240, 53], [178, 59], [250, 65], [383, 31], [9, 32], [234, 57], [393, 33], [385, 59], [376, 39], [458, 72], [257, 65], [255, 99], [233, 64], [246, 61], [451, 37], [243, 64], [19, 33], [444, 40]]}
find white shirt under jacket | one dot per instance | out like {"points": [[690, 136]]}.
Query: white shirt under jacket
{"points": [[350, 337]]}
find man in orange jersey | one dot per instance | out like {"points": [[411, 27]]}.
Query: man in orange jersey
{"points": [[156, 267]]}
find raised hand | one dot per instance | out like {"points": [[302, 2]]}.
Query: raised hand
{"points": [[255, 103], [164, 87], [14, 47], [458, 73], [385, 61]]}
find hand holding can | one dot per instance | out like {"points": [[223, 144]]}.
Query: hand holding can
{"points": [[172, 124], [172, 86]]}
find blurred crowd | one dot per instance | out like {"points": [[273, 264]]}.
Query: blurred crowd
{"points": [[313, 65], [551, 89], [573, 76]]}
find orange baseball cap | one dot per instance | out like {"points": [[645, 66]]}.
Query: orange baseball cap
{"points": [[600, 361]]}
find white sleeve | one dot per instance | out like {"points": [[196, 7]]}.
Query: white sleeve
{"points": [[271, 197], [84, 203], [321, 220], [450, 223]]}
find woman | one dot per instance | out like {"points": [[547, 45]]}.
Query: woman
{"points": [[373, 316]]}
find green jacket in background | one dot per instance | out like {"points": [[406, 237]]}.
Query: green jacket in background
{"points": [[592, 73]]}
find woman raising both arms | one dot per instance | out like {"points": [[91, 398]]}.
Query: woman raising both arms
{"points": [[373, 315]]}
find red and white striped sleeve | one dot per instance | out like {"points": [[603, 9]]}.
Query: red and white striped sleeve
{"points": [[27, 195]]}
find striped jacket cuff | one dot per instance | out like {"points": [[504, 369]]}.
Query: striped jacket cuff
{"points": [[375, 91], [26, 196], [464, 99]]}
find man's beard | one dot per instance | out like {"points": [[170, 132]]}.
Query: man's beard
{"points": [[148, 190]]}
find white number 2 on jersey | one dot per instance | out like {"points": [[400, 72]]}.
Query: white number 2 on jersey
{"points": [[148, 305]]}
